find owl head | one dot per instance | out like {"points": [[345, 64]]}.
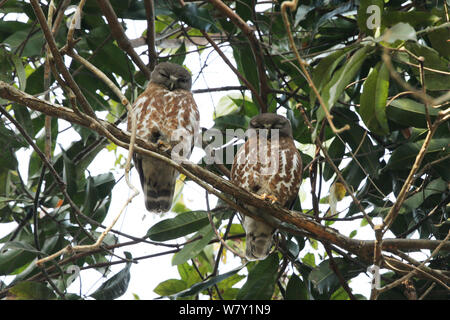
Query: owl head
{"points": [[272, 121], [172, 76]]}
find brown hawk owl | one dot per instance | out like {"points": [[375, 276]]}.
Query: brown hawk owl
{"points": [[167, 115], [270, 166]]}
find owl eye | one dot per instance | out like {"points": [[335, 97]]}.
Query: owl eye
{"points": [[164, 74], [278, 126], [183, 80]]}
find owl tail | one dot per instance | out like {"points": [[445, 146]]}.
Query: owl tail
{"points": [[158, 183], [259, 239]]}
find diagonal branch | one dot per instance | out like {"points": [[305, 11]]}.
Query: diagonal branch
{"points": [[59, 60], [279, 217], [119, 34], [256, 49], [151, 36]]}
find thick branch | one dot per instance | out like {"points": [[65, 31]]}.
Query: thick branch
{"points": [[151, 36], [291, 221]]}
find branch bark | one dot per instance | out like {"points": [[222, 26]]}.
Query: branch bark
{"points": [[119, 34], [256, 49], [277, 216]]}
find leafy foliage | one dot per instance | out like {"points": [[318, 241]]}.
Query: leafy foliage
{"points": [[371, 78]]}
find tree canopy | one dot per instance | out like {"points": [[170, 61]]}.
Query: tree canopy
{"points": [[365, 85]]}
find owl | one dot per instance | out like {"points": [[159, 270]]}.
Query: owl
{"points": [[268, 165], [166, 115]]}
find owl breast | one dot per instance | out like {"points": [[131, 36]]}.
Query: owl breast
{"points": [[263, 166]]}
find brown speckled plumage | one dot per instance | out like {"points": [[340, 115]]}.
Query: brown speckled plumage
{"points": [[282, 179], [166, 113]]}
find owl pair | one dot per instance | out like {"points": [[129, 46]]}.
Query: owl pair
{"points": [[167, 107]]}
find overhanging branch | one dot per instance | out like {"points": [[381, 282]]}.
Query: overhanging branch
{"points": [[287, 219]]}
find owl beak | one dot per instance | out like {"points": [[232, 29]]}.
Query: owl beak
{"points": [[173, 81]]}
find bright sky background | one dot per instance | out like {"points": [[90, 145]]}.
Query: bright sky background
{"points": [[148, 273]]}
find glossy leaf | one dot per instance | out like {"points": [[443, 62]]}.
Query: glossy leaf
{"points": [[170, 287], [373, 100], [410, 113], [324, 278], [198, 287], [296, 289], [30, 290], [116, 286], [403, 156], [261, 280], [335, 87], [183, 224], [192, 249]]}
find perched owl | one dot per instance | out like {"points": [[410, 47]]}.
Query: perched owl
{"points": [[167, 115], [268, 165]]}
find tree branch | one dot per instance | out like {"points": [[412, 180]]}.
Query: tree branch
{"points": [[119, 34], [150, 39], [59, 60], [273, 214], [256, 49]]}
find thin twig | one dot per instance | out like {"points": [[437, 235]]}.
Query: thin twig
{"points": [[59, 60], [208, 209], [256, 49], [293, 5], [236, 71]]}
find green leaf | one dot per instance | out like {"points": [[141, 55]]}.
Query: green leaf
{"points": [[188, 274], [194, 248], [30, 290], [183, 224], [324, 70], [196, 17], [401, 31], [14, 259], [69, 175], [17, 245], [335, 87], [231, 121], [20, 71], [410, 113], [403, 156], [373, 100], [245, 62], [227, 105], [368, 155], [261, 280], [116, 286], [170, 287], [433, 80], [309, 259], [324, 278], [200, 286], [336, 152], [437, 186], [296, 289]]}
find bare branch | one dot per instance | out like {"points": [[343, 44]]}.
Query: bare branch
{"points": [[119, 34]]}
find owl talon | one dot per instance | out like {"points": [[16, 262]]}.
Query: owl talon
{"points": [[268, 197], [162, 145]]}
